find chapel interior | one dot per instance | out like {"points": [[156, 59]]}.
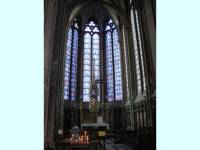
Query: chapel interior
{"points": [[100, 74]]}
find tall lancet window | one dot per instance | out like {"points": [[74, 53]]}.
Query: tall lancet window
{"points": [[91, 59], [141, 80], [70, 78], [113, 63]]}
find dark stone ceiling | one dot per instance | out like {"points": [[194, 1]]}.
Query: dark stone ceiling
{"points": [[99, 9]]}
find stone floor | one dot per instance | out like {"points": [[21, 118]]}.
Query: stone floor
{"points": [[112, 146]]}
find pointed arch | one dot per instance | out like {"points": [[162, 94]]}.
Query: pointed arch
{"points": [[91, 58]]}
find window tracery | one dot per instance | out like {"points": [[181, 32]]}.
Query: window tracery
{"points": [[91, 59]]}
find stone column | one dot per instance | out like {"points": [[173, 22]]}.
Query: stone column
{"points": [[49, 31], [55, 98]]}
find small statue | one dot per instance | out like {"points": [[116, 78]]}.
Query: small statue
{"points": [[93, 104], [94, 90]]}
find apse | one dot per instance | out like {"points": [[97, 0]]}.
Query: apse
{"points": [[100, 74], [99, 55]]}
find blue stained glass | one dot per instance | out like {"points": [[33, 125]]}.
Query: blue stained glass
{"points": [[87, 51], [95, 29], [107, 28], [97, 74], [96, 68], [74, 59], [109, 54], [86, 85], [67, 64], [87, 36], [90, 58], [96, 47], [71, 65], [74, 64], [87, 91], [86, 98], [86, 79], [87, 46], [86, 73], [92, 23], [87, 56], [87, 41], [95, 57], [95, 52], [86, 67], [86, 62], [110, 97], [117, 64], [95, 37], [95, 41], [113, 60], [109, 81], [87, 29], [96, 62], [109, 67], [110, 21]]}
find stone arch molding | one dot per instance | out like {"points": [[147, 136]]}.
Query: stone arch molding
{"points": [[112, 11]]}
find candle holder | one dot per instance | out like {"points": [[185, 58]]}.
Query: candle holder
{"points": [[82, 139]]}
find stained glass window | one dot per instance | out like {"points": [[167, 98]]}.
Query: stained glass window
{"points": [[117, 66], [70, 78], [86, 66], [74, 65], [91, 59], [113, 63]]}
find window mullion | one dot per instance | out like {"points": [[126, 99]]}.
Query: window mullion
{"points": [[91, 69], [113, 65]]}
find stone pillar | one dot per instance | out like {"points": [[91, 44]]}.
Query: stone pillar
{"points": [[151, 29], [50, 14], [55, 105], [128, 65]]}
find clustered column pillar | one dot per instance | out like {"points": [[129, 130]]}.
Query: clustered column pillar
{"points": [[56, 102]]}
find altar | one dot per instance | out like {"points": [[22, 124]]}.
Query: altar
{"points": [[94, 125], [98, 124], [94, 128]]}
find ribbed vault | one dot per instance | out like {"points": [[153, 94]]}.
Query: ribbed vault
{"points": [[98, 8]]}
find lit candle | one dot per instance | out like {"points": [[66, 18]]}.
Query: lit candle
{"points": [[71, 140], [76, 141], [87, 139], [82, 139]]}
